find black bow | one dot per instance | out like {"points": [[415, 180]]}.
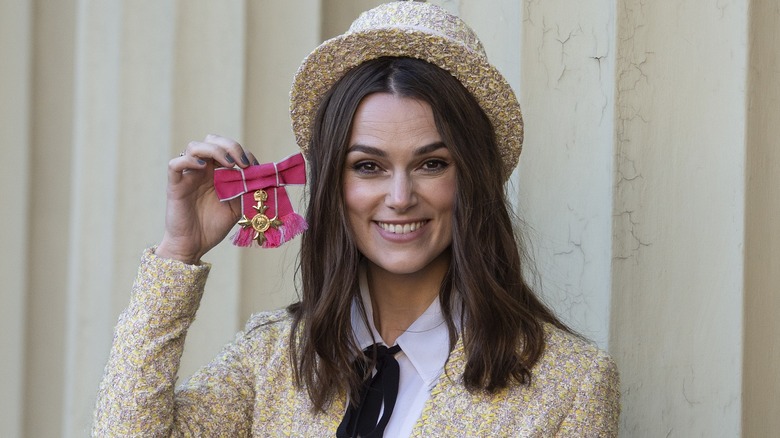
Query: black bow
{"points": [[363, 420]]}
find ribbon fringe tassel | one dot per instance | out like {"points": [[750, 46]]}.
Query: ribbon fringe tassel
{"points": [[292, 225]]}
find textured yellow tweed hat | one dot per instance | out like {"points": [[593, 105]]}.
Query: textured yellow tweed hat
{"points": [[414, 30]]}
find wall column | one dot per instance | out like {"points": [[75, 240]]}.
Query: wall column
{"points": [[92, 233], [679, 210], [565, 174]]}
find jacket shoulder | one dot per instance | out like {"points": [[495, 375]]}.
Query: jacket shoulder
{"points": [[570, 350], [270, 318], [267, 332]]}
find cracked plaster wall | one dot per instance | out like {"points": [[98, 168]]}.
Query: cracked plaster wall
{"points": [[565, 175], [678, 228]]}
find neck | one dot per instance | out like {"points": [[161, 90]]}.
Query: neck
{"points": [[399, 299]]}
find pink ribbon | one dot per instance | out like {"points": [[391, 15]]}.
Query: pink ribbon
{"points": [[283, 223]]}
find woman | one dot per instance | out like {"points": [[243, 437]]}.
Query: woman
{"points": [[414, 318]]}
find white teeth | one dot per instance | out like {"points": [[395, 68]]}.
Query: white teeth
{"points": [[401, 229]]}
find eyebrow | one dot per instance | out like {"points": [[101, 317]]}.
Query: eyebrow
{"points": [[422, 150]]}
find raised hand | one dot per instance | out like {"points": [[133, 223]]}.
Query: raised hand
{"points": [[195, 219]]}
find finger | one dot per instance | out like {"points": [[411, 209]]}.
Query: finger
{"points": [[186, 162], [175, 170], [252, 158], [206, 151], [235, 152]]}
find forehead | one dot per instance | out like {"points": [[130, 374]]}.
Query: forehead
{"points": [[384, 118]]}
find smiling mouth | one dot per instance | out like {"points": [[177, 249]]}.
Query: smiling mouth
{"points": [[401, 228]]}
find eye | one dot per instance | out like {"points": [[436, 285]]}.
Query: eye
{"points": [[365, 167], [434, 165]]}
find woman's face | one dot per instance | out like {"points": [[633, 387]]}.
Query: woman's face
{"points": [[399, 185]]}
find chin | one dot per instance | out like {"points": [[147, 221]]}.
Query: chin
{"points": [[412, 265]]}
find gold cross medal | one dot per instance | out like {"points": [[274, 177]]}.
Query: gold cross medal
{"points": [[260, 222]]}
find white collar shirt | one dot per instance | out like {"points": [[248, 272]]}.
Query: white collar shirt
{"points": [[424, 351]]}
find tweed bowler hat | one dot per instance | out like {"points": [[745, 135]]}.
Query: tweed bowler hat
{"points": [[415, 30]]}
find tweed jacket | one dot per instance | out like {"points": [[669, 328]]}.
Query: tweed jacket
{"points": [[248, 390]]}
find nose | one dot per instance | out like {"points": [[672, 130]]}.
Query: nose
{"points": [[401, 192]]}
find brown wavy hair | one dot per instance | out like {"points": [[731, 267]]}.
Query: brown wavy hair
{"points": [[501, 316]]}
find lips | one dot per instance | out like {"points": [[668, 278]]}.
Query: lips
{"points": [[406, 228]]}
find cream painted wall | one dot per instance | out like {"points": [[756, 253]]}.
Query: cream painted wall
{"points": [[568, 60], [337, 15], [678, 266], [648, 182], [114, 89]]}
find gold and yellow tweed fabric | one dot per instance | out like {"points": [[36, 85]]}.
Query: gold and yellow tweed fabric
{"points": [[247, 390]]}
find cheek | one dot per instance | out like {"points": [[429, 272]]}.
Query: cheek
{"points": [[358, 198], [443, 196]]}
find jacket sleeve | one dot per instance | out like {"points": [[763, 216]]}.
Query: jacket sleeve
{"points": [[596, 406], [136, 396]]}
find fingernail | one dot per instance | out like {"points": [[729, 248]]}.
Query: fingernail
{"points": [[244, 159], [201, 162], [230, 159], [257, 163]]}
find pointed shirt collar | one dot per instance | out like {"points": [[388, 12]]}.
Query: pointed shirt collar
{"points": [[425, 342]]}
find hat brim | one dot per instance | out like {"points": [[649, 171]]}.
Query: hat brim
{"points": [[335, 57]]}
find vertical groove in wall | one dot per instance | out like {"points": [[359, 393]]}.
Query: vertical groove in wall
{"points": [[16, 50], [761, 361], [51, 148]]}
